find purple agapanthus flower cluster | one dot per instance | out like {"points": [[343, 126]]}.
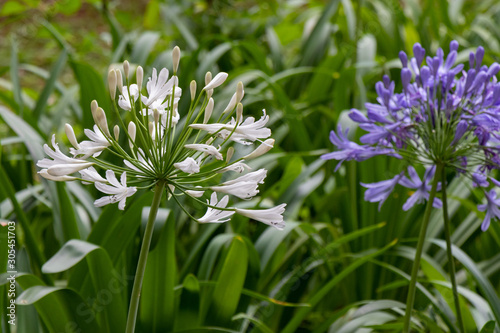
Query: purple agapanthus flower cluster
{"points": [[445, 115]]}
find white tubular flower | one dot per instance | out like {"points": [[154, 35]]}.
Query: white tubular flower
{"points": [[124, 99], [256, 177], [48, 176], [236, 167], [60, 164], [91, 176], [216, 81], [242, 190], [59, 170], [214, 215], [211, 150], [261, 150], [245, 133], [194, 193], [189, 165], [119, 191], [158, 87], [272, 216], [91, 148]]}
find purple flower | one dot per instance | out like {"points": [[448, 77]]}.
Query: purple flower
{"points": [[349, 150], [444, 114], [380, 191], [491, 208], [422, 187]]}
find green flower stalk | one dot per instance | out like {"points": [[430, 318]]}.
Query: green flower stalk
{"points": [[183, 157]]}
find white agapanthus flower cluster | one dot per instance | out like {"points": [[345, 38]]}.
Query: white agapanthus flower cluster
{"points": [[185, 158]]}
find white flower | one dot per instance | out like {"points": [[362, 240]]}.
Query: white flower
{"points": [[48, 176], [124, 100], [245, 133], [211, 150], [237, 167], [242, 190], [216, 81], [91, 176], [60, 165], [94, 147], [256, 177], [158, 87], [120, 192], [195, 194], [189, 165], [272, 216], [214, 215], [262, 149]]}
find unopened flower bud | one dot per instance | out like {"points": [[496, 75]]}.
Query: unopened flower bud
{"points": [[126, 69], [192, 89], [112, 83], [139, 74], [208, 78], [210, 92], [116, 132], [71, 135], [261, 150], [131, 133], [119, 80], [151, 128], [239, 113], [102, 122], [239, 92], [176, 55], [209, 141], [156, 116], [229, 154], [93, 109], [216, 81], [208, 110]]}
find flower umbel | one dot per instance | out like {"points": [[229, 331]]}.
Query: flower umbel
{"points": [[188, 160], [445, 115]]}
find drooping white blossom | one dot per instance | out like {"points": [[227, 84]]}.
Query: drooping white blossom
{"points": [[189, 165], [211, 150], [272, 216], [118, 190], [214, 215], [60, 164]]}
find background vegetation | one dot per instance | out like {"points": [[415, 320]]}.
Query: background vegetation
{"points": [[339, 266]]}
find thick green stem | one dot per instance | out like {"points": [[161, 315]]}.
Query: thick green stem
{"points": [[143, 258], [451, 261], [420, 245]]}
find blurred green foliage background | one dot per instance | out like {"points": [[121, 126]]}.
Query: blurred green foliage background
{"points": [[339, 266]]}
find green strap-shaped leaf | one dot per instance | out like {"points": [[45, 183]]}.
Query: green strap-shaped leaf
{"points": [[107, 285], [323, 292], [91, 88], [483, 283], [227, 291], [489, 327], [188, 314], [60, 309], [157, 304], [41, 103]]}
